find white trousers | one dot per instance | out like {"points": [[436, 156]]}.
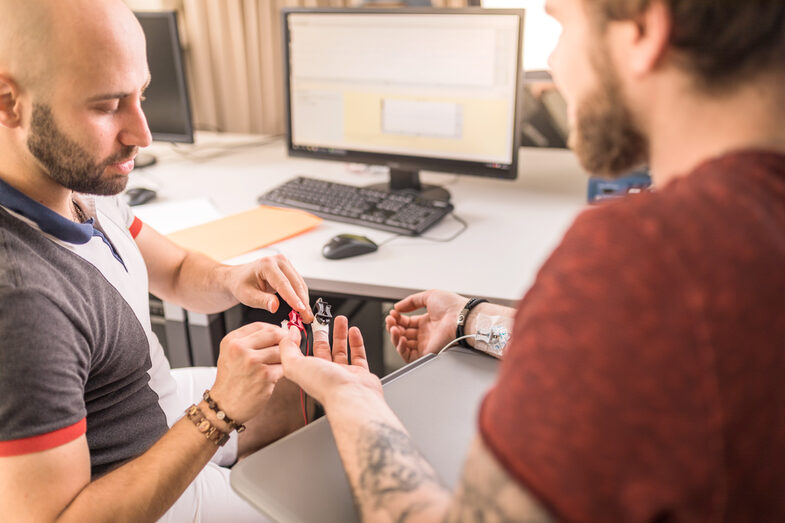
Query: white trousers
{"points": [[209, 498]]}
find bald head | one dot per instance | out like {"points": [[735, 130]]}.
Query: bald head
{"points": [[23, 37], [48, 38]]}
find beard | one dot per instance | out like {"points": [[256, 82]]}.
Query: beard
{"points": [[67, 163], [606, 139]]}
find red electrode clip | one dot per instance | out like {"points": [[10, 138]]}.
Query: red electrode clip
{"points": [[296, 321]]}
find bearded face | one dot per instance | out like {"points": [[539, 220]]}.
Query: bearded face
{"points": [[605, 137], [67, 163]]}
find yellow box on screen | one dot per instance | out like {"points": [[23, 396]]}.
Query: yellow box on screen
{"points": [[240, 233]]}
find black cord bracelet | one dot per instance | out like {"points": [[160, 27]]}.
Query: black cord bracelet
{"points": [[459, 330]]}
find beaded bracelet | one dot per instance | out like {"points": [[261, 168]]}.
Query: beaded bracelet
{"points": [[204, 426], [221, 415]]}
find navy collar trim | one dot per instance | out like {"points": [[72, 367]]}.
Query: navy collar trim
{"points": [[49, 221]]}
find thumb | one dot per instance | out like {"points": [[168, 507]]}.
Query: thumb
{"points": [[268, 301], [295, 365], [294, 335], [261, 299], [290, 346]]}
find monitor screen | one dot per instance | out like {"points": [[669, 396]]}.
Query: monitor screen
{"points": [[167, 104], [413, 89]]}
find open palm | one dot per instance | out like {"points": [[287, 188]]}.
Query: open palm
{"points": [[418, 335], [330, 368]]}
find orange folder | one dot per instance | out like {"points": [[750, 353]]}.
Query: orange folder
{"points": [[237, 234]]}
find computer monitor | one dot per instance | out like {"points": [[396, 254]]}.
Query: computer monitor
{"points": [[167, 104], [411, 89]]}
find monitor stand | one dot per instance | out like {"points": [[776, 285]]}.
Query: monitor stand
{"points": [[402, 180]]}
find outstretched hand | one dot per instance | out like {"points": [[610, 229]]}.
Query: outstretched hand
{"points": [[330, 370], [416, 336]]}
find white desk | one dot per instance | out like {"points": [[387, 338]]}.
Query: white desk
{"points": [[513, 225]]}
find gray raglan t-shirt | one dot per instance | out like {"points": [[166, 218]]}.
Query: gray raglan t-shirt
{"points": [[74, 356]]}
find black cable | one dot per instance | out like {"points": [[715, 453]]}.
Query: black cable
{"points": [[451, 238], [388, 240]]}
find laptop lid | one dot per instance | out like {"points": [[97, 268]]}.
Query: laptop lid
{"points": [[300, 477]]}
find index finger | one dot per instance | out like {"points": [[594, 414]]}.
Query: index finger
{"points": [[321, 343], [300, 288], [412, 303], [281, 284], [405, 322]]}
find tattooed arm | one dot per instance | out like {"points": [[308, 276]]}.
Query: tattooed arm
{"points": [[390, 479]]}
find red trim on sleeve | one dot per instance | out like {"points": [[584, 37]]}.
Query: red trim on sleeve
{"points": [[17, 447], [135, 227]]}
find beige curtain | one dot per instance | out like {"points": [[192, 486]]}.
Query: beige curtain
{"points": [[234, 59], [449, 3]]}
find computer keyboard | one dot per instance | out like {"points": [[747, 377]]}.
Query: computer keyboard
{"points": [[400, 212]]}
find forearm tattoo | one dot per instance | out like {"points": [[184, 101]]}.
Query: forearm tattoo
{"points": [[487, 494], [395, 478], [391, 467]]}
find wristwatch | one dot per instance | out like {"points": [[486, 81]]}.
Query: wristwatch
{"points": [[472, 303]]}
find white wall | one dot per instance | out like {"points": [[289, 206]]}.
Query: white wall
{"points": [[540, 32]]}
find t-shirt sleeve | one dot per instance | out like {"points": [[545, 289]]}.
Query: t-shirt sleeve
{"points": [[43, 371], [119, 208], [590, 413]]}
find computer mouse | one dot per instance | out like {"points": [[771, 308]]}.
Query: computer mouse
{"points": [[347, 245], [139, 195]]}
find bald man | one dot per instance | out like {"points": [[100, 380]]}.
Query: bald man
{"points": [[92, 423]]}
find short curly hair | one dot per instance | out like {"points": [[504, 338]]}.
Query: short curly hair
{"points": [[720, 41]]}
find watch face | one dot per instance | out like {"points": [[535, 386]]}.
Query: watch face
{"points": [[221, 415]]}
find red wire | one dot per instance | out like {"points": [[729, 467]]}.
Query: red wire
{"points": [[295, 321], [302, 405]]}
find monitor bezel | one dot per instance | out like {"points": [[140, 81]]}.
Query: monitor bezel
{"points": [[182, 77], [409, 162]]}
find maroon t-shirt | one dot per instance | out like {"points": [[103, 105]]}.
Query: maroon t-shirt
{"points": [[646, 376]]}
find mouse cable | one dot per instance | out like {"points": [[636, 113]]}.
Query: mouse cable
{"points": [[451, 238], [388, 240]]}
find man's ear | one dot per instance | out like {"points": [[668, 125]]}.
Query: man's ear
{"points": [[10, 114], [640, 44], [654, 31]]}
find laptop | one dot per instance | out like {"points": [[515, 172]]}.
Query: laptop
{"points": [[300, 478]]}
